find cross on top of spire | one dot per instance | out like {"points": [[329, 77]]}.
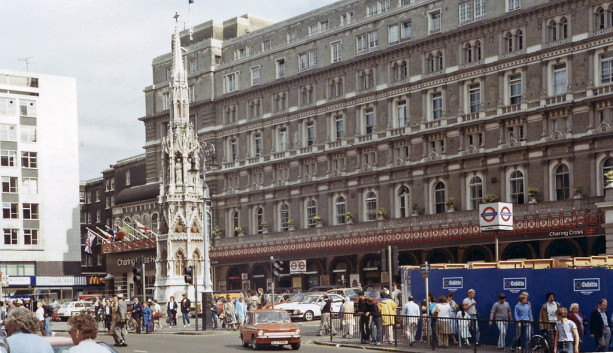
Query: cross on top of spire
{"points": [[176, 17]]}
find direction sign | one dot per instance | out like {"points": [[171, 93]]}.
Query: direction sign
{"points": [[424, 269]]}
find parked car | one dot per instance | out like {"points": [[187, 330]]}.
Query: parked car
{"points": [[351, 293], [69, 309], [269, 327], [298, 297], [310, 307], [62, 344]]}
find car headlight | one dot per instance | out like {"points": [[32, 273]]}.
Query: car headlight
{"points": [[260, 333], [298, 312], [297, 331]]}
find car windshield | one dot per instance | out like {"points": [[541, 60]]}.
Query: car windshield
{"points": [[375, 294], [272, 317], [310, 300], [296, 297], [65, 305], [350, 292]]}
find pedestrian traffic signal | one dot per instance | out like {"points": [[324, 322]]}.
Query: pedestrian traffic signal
{"points": [[277, 267], [138, 271], [189, 275]]}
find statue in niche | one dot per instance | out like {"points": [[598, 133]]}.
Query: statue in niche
{"points": [[195, 228], [179, 170], [180, 227]]}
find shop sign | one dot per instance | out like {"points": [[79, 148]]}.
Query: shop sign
{"points": [[61, 281], [119, 263], [95, 280], [20, 281], [514, 285], [586, 285], [244, 276], [453, 283]]}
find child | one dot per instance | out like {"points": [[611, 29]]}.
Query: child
{"points": [[464, 326]]}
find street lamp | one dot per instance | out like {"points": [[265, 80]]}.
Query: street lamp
{"points": [[207, 295]]}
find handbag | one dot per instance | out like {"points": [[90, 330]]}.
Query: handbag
{"points": [[157, 315]]}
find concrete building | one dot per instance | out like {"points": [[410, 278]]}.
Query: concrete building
{"points": [[365, 124], [40, 185]]}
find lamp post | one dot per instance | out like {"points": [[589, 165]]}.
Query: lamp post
{"points": [[207, 295]]}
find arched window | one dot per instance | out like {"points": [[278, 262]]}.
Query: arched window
{"points": [[553, 30], [430, 62], [371, 206], [179, 263], [607, 166], [439, 197], [155, 222], [311, 211], [477, 50], [508, 39], [340, 210], [259, 218], [128, 221], [475, 186], [439, 56], [516, 187], [404, 199], [520, 39], [562, 183], [235, 222], [563, 24], [284, 216], [600, 19], [468, 53]]}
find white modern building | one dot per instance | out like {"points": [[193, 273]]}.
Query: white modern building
{"points": [[40, 246]]}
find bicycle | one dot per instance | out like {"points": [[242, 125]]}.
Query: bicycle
{"points": [[538, 344]]}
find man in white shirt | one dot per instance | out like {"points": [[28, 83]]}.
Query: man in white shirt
{"points": [[471, 309], [411, 310]]}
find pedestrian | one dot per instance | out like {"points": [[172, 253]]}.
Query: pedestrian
{"points": [[108, 314], [464, 322], [254, 301], [548, 317], [579, 320], [97, 310], [185, 307], [372, 311], [324, 320], [172, 311], [387, 308], [348, 320], [433, 331], [262, 298], [156, 314], [453, 326], [501, 312], [410, 311], [48, 315], [40, 316], [21, 327], [471, 309], [83, 331], [240, 307], [229, 313], [599, 326], [395, 294], [425, 321], [566, 336], [441, 311], [147, 318], [2, 318], [137, 314], [214, 310], [523, 317], [120, 317], [363, 322]]}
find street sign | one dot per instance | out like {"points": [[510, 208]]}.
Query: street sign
{"points": [[496, 216], [297, 266], [424, 269]]}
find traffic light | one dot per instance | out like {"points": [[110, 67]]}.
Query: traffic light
{"points": [[395, 262], [189, 272], [277, 267], [138, 271]]}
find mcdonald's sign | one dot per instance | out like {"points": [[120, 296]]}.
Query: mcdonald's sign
{"points": [[95, 280]]}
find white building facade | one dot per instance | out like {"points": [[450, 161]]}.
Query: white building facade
{"points": [[40, 246]]}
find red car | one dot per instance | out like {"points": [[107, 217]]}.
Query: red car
{"points": [[269, 327]]}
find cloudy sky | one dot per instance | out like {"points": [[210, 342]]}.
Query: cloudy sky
{"points": [[108, 46]]}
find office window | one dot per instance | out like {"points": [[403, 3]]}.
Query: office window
{"points": [[606, 68], [336, 48], [29, 210], [369, 121], [165, 100], [291, 37], [474, 93], [8, 158], [233, 149], [562, 183], [266, 45], [280, 68], [259, 218], [405, 30], [9, 184], [361, 44], [191, 92], [339, 124], [193, 66], [8, 132], [516, 187], [310, 133], [284, 217], [475, 186], [28, 159], [513, 5], [313, 29], [439, 197], [282, 139], [466, 13], [373, 41], [347, 18], [479, 9], [515, 89], [258, 144], [231, 82], [255, 76], [340, 210], [384, 6], [404, 199], [10, 236], [435, 21], [393, 35], [559, 79], [437, 106], [401, 113], [241, 53], [10, 210], [370, 211], [311, 211], [169, 74], [372, 9], [27, 107]]}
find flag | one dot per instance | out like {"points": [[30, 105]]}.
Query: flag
{"points": [[121, 233], [191, 1], [90, 241], [113, 235], [142, 227]]}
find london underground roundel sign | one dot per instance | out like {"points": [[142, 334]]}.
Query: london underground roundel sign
{"points": [[489, 214], [496, 216]]}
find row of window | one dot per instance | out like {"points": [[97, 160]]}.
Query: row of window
{"points": [[12, 237], [403, 202], [11, 185], [10, 106], [10, 210], [8, 158], [8, 132], [18, 268]]}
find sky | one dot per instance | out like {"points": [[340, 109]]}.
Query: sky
{"points": [[108, 46]]}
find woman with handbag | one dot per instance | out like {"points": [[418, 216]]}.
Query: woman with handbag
{"points": [[157, 314]]}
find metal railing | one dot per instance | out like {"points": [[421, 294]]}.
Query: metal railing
{"points": [[427, 332]]}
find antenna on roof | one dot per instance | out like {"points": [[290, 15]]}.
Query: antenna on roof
{"points": [[27, 61]]}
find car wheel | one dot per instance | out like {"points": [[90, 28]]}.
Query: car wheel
{"points": [[296, 346], [244, 343], [308, 316], [254, 343]]}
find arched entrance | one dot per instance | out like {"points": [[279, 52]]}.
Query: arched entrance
{"points": [[233, 281], [599, 247], [564, 247], [440, 256], [258, 276], [407, 258], [311, 276], [518, 251], [477, 253], [340, 269], [370, 269]]}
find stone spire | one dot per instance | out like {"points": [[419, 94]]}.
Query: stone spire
{"points": [[180, 90]]}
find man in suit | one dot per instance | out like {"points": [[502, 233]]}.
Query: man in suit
{"points": [[599, 326], [119, 330], [185, 306], [137, 314]]}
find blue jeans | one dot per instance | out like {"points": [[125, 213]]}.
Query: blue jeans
{"points": [[376, 322], [186, 318], [47, 326], [215, 319], [565, 347], [477, 332]]}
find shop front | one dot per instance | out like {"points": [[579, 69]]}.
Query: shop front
{"points": [[119, 267]]}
